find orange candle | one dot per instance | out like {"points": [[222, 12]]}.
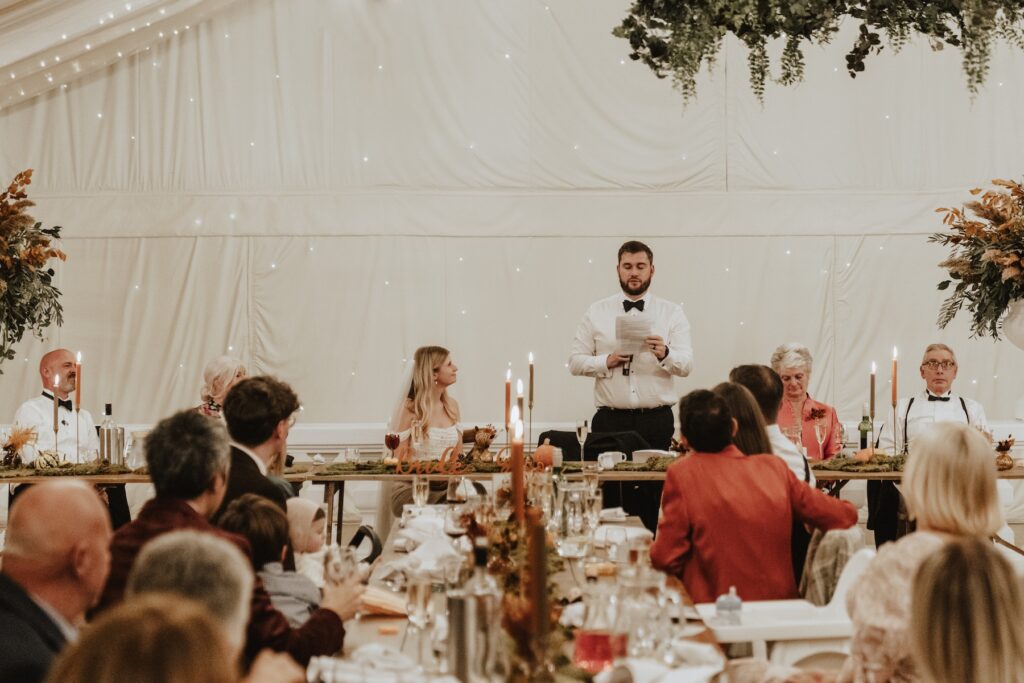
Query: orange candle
{"points": [[536, 540], [508, 399], [56, 406], [894, 374], [518, 489], [78, 381], [531, 381]]}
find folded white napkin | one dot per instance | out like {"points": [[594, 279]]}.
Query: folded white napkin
{"points": [[650, 671], [613, 514], [605, 533], [572, 615], [418, 530]]}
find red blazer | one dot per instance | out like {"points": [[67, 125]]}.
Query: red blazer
{"points": [[726, 520], [322, 634]]}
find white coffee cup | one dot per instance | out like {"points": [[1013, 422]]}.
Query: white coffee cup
{"points": [[609, 459]]}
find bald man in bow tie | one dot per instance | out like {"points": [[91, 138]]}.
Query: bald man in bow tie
{"points": [[937, 403]]}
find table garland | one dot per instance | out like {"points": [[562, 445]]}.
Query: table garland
{"points": [[878, 463]]}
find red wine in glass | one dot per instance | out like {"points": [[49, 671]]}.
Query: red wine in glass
{"points": [[391, 441]]}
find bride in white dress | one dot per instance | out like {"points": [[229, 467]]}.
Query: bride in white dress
{"points": [[426, 420]]}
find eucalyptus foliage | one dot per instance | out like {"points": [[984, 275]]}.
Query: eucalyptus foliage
{"points": [[676, 37]]}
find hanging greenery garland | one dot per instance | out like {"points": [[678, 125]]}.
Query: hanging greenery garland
{"points": [[676, 37]]}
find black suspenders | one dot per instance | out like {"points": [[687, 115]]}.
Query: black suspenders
{"points": [[906, 417]]}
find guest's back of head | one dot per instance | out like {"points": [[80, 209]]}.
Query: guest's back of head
{"points": [[765, 385], [256, 406], [202, 567], [219, 375], [950, 481], [751, 437], [150, 639], [261, 522], [965, 622], [705, 421], [185, 452]]}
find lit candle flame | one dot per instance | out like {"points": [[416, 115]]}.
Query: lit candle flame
{"points": [[514, 415], [508, 375], [874, 368], [56, 381], [78, 357], [519, 388], [519, 430], [894, 353], [531, 357]]}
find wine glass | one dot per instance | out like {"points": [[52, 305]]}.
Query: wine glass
{"points": [[591, 478], [392, 441], [420, 491], [582, 430], [417, 607], [456, 521], [594, 505], [456, 491]]}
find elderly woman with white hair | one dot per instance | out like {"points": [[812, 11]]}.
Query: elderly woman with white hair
{"points": [[950, 488], [219, 376], [809, 423]]}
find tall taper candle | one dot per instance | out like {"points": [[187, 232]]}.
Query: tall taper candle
{"points": [[78, 381], [519, 398], [530, 396], [895, 392], [874, 373], [536, 540], [518, 484], [56, 407], [508, 400]]}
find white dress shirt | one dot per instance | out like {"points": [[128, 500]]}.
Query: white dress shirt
{"points": [[923, 413], [649, 383], [787, 450], [66, 628], [255, 458], [38, 413]]}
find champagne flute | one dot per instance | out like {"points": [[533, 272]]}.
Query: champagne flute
{"points": [[819, 436], [591, 476], [420, 491], [417, 607], [582, 430]]}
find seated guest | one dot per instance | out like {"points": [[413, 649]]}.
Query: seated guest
{"points": [[793, 363], [219, 376], [426, 420], [950, 488], [262, 523], [307, 524], [965, 624], [201, 567], [766, 387], [726, 517], [751, 436], [54, 565], [188, 458], [162, 639], [914, 414], [259, 412]]}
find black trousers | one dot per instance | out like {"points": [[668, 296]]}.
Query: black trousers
{"points": [[883, 511], [656, 426]]}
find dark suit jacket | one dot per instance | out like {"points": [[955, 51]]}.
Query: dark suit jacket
{"points": [[29, 639], [322, 633], [245, 477]]}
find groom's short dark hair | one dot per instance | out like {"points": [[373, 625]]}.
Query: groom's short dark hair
{"points": [[635, 247]]}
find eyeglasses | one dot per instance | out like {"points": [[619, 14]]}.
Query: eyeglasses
{"points": [[936, 364]]}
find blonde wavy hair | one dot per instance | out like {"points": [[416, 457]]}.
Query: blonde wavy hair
{"points": [[950, 481], [426, 361], [965, 616], [219, 376]]}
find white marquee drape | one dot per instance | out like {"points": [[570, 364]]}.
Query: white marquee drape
{"points": [[323, 186]]}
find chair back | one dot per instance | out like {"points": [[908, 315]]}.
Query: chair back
{"points": [[364, 532], [855, 566]]}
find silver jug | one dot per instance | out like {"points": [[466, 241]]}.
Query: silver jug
{"points": [[112, 444], [474, 636]]}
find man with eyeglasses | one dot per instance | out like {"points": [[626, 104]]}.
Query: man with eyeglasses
{"points": [[259, 413], [937, 403]]}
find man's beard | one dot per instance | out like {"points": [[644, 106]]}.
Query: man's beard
{"points": [[635, 291]]}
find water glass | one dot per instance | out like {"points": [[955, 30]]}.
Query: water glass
{"points": [[420, 491], [594, 505], [339, 563], [418, 608], [590, 475]]}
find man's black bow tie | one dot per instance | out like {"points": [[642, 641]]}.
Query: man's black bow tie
{"points": [[932, 397], [66, 403], [628, 305]]}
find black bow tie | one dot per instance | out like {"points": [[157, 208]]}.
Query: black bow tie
{"points": [[933, 397], [66, 403], [628, 305]]}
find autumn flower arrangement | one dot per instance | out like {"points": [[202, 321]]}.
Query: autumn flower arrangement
{"points": [[987, 257], [28, 299]]}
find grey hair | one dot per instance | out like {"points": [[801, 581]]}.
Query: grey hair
{"points": [[184, 453], [218, 376], [792, 355], [937, 347], [202, 567]]}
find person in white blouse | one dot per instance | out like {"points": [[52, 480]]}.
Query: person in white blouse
{"points": [[37, 413], [634, 392], [936, 403]]}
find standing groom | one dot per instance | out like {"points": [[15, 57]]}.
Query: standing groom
{"points": [[635, 392]]}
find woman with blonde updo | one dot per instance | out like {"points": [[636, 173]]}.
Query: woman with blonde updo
{"points": [[799, 412], [219, 376]]}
